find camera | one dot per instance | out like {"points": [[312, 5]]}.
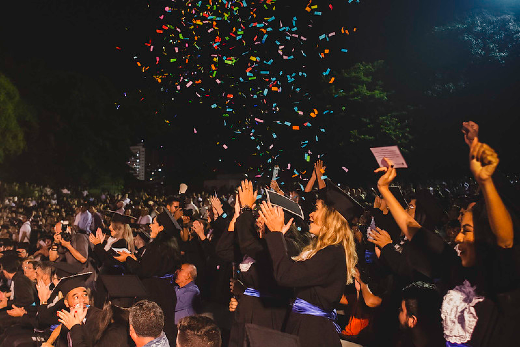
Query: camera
{"points": [[67, 237]]}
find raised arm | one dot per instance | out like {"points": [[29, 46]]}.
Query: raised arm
{"points": [[483, 161], [406, 223]]}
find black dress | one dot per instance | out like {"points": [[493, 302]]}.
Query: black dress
{"points": [[319, 280]]}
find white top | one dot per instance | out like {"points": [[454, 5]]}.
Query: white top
{"points": [[26, 227], [459, 317], [145, 219]]}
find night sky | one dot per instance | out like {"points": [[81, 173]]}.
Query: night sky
{"points": [[431, 64]]}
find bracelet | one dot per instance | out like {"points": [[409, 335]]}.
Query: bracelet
{"points": [[246, 208]]}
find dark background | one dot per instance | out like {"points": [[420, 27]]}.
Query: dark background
{"points": [[63, 59]]}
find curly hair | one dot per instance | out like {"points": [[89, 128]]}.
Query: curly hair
{"points": [[334, 230]]}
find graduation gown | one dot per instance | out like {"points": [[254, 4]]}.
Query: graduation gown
{"points": [[157, 261], [271, 309], [319, 280]]}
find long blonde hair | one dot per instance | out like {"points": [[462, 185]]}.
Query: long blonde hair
{"points": [[124, 231], [334, 230]]}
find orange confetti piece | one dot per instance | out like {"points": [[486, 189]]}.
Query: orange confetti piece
{"points": [[326, 51], [313, 115], [159, 31], [296, 127], [275, 89], [332, 80]]}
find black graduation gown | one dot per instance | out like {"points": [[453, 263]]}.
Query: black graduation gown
{"points": [[82, 335], [159, 260], [269, 311], [319, 280]]}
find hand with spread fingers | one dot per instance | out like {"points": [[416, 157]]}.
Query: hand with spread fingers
{"points": [[76, 316], [123, 256], [217, 206], [246, 194], [483, 161], [319, 169], [379, 237], [44, 292], [389, 174], [273, 217]]}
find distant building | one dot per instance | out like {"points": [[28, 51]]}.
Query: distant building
{"points": [[138, 161]]}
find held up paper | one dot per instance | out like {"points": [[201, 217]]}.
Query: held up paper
{"points": [[391, 152]]}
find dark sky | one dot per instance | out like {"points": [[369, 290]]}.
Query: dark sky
{"points": [[82, 36]]}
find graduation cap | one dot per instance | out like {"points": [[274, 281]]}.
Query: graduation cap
{"points": [[340, 200], [258, 336], [66, 284], [145, 235], [285, 203], [124, 286], [121, 218]]}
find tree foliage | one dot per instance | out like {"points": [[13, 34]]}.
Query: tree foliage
{"points": [[12, 110], [366, 108]]}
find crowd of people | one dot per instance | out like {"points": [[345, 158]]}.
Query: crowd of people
{"points": [[312, 266]]}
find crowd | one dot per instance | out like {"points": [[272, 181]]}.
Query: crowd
{"points": [[432, 266]]}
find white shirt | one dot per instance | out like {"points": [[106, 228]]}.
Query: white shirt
{"points": [[145, 219], [26, 227]]}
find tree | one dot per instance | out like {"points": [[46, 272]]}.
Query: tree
{"points": [[12, 110], [366, 109]]}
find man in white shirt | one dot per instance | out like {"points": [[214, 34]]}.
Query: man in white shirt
{"points": [[144, 218], [25, 230]]}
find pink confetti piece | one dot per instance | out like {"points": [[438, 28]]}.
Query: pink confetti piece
{"points": [[194, 130], [225, 147], [259, 120], [344, 168]]}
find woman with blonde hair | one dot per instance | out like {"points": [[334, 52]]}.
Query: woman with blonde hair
{"points": [[321, 271], [121, 237]]}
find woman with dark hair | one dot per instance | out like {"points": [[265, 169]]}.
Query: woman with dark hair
{"points": [[482, 284], [156, 268]]}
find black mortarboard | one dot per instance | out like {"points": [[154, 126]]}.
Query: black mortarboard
{"points": [[121, 218], [340, 200], [66, 284], [64, 269], [145, 235], [258, 336], [285, 203], [124, 286]]}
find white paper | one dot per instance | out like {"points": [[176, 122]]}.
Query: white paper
{"points": [[391, 152]]}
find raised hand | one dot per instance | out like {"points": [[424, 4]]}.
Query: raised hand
{"points": [[470, 131], [379, 237], [319, 168], [44, 292], [246, 194], [389, 174], [217, 206], [483, 161], [273, 217], [198, 228]]}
